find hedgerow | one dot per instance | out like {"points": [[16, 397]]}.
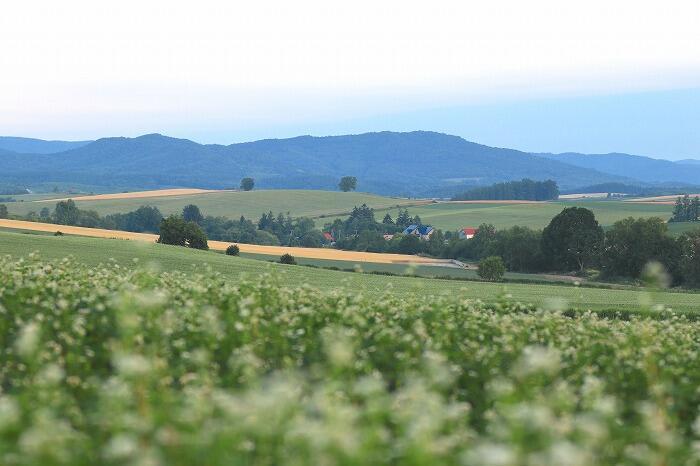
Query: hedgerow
{"points": [[112, 366]]}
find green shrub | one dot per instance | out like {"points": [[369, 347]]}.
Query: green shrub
{"points": [[233, 250], [287, 259], [492, 268]]}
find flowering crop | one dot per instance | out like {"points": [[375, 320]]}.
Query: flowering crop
{"points": [[112, 366]]}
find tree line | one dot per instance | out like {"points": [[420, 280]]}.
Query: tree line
{"points": [[525, 189], [686, 209], [574, 241]]}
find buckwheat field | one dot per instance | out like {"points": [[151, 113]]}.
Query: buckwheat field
{"points": [[114, 366]]}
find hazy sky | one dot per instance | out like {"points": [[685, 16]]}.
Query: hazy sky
{"points": [[594, 75]]}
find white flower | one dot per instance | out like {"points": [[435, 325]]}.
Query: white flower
{"points": [[132, 364], [121, 446], [9, 412], [28, 340]]}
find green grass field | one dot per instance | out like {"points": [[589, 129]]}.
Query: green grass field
{"points": [[325, 206], [683, 227], [252, 204], [448, 216], [94, 251]]}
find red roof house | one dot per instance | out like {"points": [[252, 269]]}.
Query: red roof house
{"points": [[467, 233]]}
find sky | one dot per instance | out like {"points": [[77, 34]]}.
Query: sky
{"points": [[542, 75]]}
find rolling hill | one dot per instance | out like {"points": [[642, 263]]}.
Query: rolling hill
{"points": [[384, 163], [37, 146], [645, 169]]}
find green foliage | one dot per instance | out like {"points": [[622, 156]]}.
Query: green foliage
{"points": [[572, 239], [143, 219], [176, 231], [233, 250], [689, 261], [247, 184], [520, 249], [191, 213], [492, 269], [632, 243], [3, 211], [347, 183], [686, 209], [287, 259], [525, 189], [110, 366], [66, 213]]}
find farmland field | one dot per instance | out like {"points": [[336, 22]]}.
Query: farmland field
{"points": [[93, 251], [451, 216], [325, 206], [233, 204], [122, 365], [315, 253], [677, 228]]}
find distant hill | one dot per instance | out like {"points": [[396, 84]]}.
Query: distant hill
{"points": [[688, 162], [636, 190], [37, 146], [635, 166], [387, 163]]}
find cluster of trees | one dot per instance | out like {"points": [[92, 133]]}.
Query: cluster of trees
{"points": [[347, 183], [144, 219], [525, 189], [292, 232], [687, 209], [3, 211], [362, 232], [270, 229], [177, 231], [574, 241]]}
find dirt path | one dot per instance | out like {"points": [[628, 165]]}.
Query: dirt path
{"points": [[309, 253], [511, 201], [137, 194], [662, 200]]}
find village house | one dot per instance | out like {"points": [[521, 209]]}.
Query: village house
{"points": [[467, 233], [422, 231], [328, 237]]}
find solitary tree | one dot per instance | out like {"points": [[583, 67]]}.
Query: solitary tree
{"points": [[347, 183], [66, 213], [3, 211], [572, 239], [191, 213], [247, 184], [233, 250], [174, 230], [492, 269]]}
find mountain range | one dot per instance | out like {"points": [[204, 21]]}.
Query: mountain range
{"points": [[416, 163]]}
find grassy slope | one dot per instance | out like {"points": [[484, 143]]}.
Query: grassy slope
{"points": [[329, 204], [453, 216], [234, 204], [94, 251], [683, 227]]}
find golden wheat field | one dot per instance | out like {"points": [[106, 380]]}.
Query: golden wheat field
{"points": [[309, 253], [137, 194]]}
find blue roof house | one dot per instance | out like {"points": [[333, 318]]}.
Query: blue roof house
{"points": [[422, 231]]}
